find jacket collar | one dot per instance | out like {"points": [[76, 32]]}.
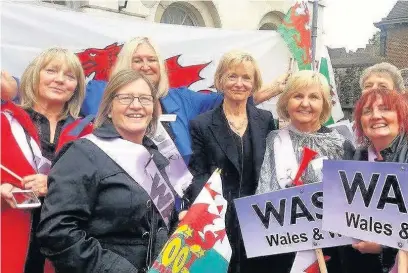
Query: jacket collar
{"points": [[108, 131], [169, 104], [393, 150], [223, 135]]}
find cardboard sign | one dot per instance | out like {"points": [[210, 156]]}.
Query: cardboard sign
{"points": [[367, 200], [284, 221]]}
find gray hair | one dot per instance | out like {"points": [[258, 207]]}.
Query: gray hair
{"points": [[384, 68]]}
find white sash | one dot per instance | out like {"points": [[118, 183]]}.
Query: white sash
{"points": [[137, 162], [33, 155], [286, 164], [177, 171]]}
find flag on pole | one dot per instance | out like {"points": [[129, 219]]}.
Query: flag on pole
{"points": [[199, 243], [327, 70], [295, 31]]}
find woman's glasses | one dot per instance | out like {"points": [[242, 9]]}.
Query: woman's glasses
{"points": [[127, 99]]}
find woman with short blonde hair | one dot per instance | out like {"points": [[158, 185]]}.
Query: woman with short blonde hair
{"points": [[305, 103], [232, 137], [302, 80]]}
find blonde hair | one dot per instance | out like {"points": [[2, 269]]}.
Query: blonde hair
{"points": [[115, 84], [231, 59], [124, 61], [300, 81], [31, 78], [384, 68]]}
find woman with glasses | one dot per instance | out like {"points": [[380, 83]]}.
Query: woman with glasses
{"points": [[232, 137], [110, 204]]}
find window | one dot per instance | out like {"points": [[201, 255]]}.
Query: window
{"points": [[181, 14]]}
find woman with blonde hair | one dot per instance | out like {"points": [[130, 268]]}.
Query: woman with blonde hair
{"points": [[102, 212], [306, 104], [51, 92], [181, 104], [232, 137]]}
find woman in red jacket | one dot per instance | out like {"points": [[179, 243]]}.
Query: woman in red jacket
{"points": [[52, 90]]}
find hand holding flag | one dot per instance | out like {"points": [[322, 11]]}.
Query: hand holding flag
{"points": [[199, 243]]}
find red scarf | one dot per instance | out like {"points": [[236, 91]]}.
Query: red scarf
{"points": [[15, 223]]}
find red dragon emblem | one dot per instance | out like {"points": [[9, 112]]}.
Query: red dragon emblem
{"points": [[299, 20], [101, 60]]}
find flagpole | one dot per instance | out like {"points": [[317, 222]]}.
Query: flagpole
{"points": [[402, 261], [314, 32]]}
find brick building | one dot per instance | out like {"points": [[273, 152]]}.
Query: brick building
{"points": [[394, 35], [393, 48]]}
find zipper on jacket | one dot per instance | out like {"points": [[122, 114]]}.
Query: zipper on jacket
{"points": [[242, 166], [150, 243]]}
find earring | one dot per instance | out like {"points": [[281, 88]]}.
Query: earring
{"points": [[109, 116]]}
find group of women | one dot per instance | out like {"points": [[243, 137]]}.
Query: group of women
{"points": [[102, 214]]}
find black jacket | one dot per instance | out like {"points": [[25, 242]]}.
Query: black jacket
{"points": [[96, 218], [396, 152], [213, 147]]}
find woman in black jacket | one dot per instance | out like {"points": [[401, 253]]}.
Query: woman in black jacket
{"points": [[232, 137], [101, 213], [381, 128]]}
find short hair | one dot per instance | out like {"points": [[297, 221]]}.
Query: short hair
{"points": [[233, 58], [384, 68], [302, 80], [391, 99], [115, 84], [31, 78], [124, 61]]}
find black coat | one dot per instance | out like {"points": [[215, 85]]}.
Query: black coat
{"points": [[396, 152], [96, 218], [213, 147]]}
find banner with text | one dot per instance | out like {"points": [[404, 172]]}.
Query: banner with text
{"points": [[284, 221], [367, 200]]}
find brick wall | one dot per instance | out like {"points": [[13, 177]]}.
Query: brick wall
{"points": [[397, 45]]}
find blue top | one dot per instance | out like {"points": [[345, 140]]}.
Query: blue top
{"points": [[183, 102]]}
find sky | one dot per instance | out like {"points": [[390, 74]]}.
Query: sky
{"points": [[349, 23]]}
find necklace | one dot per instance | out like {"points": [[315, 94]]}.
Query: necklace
{"points": [[237, 126]]}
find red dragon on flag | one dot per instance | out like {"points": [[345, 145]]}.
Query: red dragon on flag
{"points": [[99, 61]]}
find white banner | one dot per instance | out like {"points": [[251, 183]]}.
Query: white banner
{"points": [[29, 28]]}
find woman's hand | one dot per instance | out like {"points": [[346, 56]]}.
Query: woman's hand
{"points": [[368, 247], [271, 90], [5, 191], [37, 183], [182, 214], [8, 86]]}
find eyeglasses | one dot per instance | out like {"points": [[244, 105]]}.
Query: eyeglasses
{"points": [[127, 99]]}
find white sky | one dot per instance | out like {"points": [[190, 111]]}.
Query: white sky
{"points": [[349, 23]]}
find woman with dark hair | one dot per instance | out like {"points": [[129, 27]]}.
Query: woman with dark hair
{"points": [[381, 126]]}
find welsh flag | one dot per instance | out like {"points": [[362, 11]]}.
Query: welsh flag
{"points": [[295, 31], [199, 243], [306, 262]]}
